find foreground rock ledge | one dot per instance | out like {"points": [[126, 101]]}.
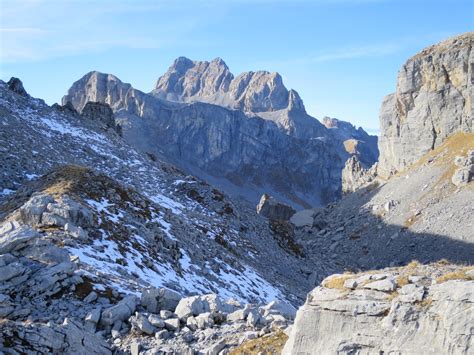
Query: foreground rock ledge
{"points": [[413, 310]]}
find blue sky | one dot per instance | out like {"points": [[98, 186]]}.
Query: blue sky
{"points": [[342, 56]]}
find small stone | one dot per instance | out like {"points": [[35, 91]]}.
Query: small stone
{"points": [[91, 297], [386, 285], [238, 315], [141, 322], [191, 323], [165, 314], [156, 321], [162, 334], [351, 284], [93, 316], [135, 348], [172, 324], [188, 337]]}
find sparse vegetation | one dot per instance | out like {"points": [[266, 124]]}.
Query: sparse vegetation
{"points": [[392, 295], [410, 221], [455, 275], [426, 302], [337, 281], [350, 145], [402, 280], [413, 264], [268, 345]]}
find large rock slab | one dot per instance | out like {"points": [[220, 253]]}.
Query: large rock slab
{"points": [[433, 315]]}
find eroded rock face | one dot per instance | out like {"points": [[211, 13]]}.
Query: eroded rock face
{"points": [[417, 309], [186, 79], [434, 99], [354, 175], [99, 111], [272, 209], [212, 82]]}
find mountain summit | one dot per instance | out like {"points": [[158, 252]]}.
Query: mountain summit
{"points": [[212, 82]]}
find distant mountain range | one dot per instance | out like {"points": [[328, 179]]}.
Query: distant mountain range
{"points": [[247, 134]]}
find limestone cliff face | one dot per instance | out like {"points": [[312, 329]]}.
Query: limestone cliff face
{"points": [[212, 82], [187, 79], [433, 100]]}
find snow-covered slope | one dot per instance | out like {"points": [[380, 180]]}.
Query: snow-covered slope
{"points": [[221, 245]]}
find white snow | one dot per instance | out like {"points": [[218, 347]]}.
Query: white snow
{"points": [[167, 202], [31, 176], [6, 192]]}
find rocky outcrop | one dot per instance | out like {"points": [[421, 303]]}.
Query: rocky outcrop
{"points": [[15, 85], [417, 309], [465, 169], [272, 209], [354, 175], [100, 112], [355, 141], [434, 99]]}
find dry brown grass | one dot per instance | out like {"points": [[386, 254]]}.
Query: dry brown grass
{"points": [[410, 221], [455, 275], [66, 180], [402, 280], [392, 295], [443, 155], [413, 264], [270, 344], [338, 281], [425, 303]]}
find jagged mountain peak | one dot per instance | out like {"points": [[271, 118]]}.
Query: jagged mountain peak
{"points": [[186, 79], [212, 82]]}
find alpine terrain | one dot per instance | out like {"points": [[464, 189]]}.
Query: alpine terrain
{"points": [[213, 215]]}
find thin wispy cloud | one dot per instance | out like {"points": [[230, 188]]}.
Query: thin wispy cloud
{"points": [[356, 52], [339, 54], [22, 30], [38, 30], [360, 51]]}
